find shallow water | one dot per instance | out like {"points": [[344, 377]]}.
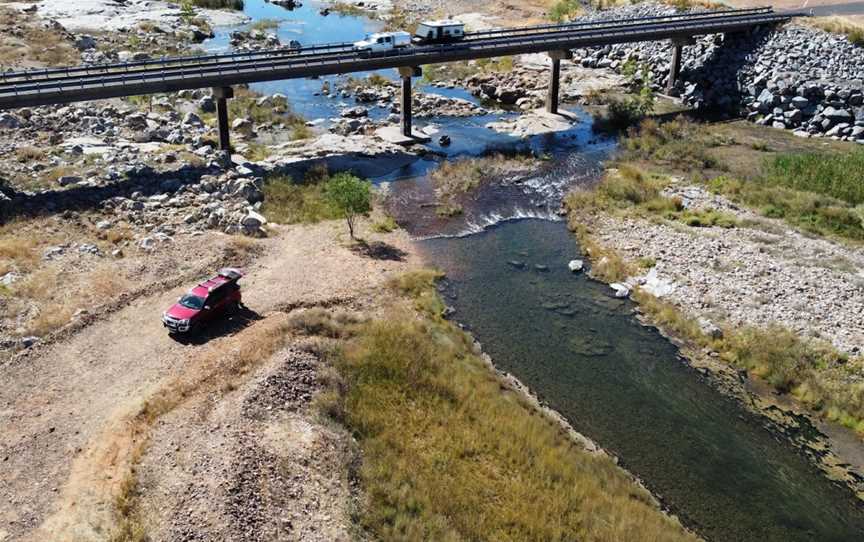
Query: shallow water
{"points": [[616, 381], [626, 387]]}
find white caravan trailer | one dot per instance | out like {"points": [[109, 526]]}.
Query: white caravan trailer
{"points": [[439, 31]]}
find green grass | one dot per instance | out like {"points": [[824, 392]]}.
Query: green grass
{"points": [[450, 453], [290, 202], [839, 175], [811, 212]]}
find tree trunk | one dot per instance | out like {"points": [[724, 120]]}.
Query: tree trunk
{"points": [[350, 221]]}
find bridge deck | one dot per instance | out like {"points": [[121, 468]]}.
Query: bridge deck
{"points": [[65, 85]]}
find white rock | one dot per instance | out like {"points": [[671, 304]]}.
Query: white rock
{"points": [[621, 290], [576, 265]]}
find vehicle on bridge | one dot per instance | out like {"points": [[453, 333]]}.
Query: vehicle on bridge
{"points": [[383, 42], [213, 298], [445, 31]]}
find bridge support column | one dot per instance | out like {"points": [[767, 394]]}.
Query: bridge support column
{"points": [[407, 72], [675, 63], [222, 94], [553, 92]]}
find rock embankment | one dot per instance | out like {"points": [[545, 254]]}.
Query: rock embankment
{"points": [[793, 77]]}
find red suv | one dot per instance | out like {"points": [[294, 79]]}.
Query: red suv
{"points": [[211, 299]]}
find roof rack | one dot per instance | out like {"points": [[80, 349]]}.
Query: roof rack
{"points": [[231, 273]]}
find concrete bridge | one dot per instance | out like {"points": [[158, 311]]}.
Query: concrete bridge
{"points": [[221, 72]]}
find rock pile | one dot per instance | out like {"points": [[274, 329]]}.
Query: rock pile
{"points": [[792, 77]]}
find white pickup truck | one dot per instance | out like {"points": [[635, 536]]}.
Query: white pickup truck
{"points": [[383, 42]]}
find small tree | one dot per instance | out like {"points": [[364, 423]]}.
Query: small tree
{"points": [[350, 196]]}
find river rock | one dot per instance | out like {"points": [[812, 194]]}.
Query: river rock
{"points": [[575, 266], [620, 290]]}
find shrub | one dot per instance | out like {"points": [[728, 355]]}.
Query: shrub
{"points": [[350, 197]]}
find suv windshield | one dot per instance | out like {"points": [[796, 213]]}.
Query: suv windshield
{"points": [[192, 301]]}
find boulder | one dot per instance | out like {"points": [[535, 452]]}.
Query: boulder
{"points": [[620, 290], [837, 115], [252, 224], [355, 112], [207, 104], [191, 119], [708, 328], [576, 265], [9, 121], [85, 43]]}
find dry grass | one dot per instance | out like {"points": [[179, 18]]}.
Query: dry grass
{"points": [[839, 25], [25, 41], [17, 252], [29, 153], [55, 305], [451, 453]]}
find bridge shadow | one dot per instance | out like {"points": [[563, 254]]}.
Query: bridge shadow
{"points": [[717, 77], [223, 327]]}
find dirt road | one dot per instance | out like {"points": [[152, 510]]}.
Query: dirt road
{"points": [[60, 406]]}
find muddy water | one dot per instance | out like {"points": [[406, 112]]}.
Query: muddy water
{"points": [[617, 382]]}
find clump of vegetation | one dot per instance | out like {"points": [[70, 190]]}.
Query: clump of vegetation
{"points": [[400, 18], [319, 196], [29, 153], [453, 179], [678, 142], [265, 24], [811, 212], [219, 4], [839, 175], [385, 225], [350, 196], [565, 10], [628, 189], [289, 202], [635, 106], [449, 453], [344, 8]]}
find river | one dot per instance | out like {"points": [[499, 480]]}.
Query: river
{"points": [[583, 352]]}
